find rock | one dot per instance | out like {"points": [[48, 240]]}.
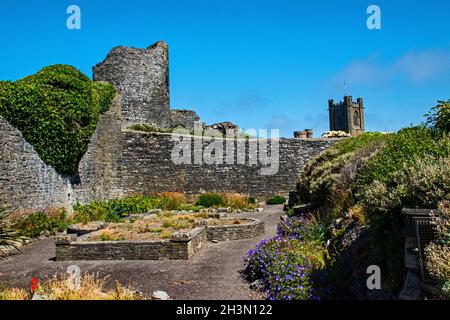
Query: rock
{"points": [[65, 239], [222, 210], [160, 295], [260, 209], [215, 241], [37, 297], [181, 237], [81, 229], [45, 234], [257, 285], [154, 211], [201, 222]]}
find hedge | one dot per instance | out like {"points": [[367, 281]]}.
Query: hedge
{"points": [[57, 110]]}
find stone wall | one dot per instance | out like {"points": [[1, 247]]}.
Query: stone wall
{"points": [[184, 118], [100, 168], [142, 77], [252, 229], [148, 167], [26, 182]]}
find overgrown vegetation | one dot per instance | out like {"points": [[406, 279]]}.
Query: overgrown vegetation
{"points": [[438, 253], [57, 111], [33, 225], [234, 201], [286, 263], [64, 287], [49, 222], [115, 209], [361, 184]]}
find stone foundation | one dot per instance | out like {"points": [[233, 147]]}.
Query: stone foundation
{"points": [[76, 250]]}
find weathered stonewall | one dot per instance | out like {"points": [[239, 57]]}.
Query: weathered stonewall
{"points": [[142, 77]]}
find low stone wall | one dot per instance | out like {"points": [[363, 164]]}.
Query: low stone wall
{"points": [[73, 249], [253, 229]]}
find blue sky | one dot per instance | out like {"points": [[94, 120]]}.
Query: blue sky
{"points": [[261, 64]]}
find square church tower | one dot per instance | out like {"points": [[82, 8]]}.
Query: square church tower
{"points": [[347, 116]]}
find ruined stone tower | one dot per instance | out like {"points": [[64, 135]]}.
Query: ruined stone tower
{"points": [[347, 116], [142, 77]]}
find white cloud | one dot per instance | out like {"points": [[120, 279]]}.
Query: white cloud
{"points": [[415, 67]]}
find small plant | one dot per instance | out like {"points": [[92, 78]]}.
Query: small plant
{"points": [[276, 200], [14, 294], [50, 221], [239, 201], [209, 200]]}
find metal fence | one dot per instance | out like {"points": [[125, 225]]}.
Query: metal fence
{"points": [[421, 224]]}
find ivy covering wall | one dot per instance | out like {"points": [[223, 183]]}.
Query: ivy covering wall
{"points": [[57, 111]]}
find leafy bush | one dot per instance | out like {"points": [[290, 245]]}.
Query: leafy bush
{"points": [[423, 187], [439, 117], [33, 225], [329, 178], [400, 149], [57, 111], [306, 229], [209, 200], [276, 200], [284, 265], [437, 254]]}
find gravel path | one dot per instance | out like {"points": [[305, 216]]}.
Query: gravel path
{"points": [[212, 274]]}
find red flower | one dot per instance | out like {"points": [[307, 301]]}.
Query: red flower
{"points": [[34, 284]]}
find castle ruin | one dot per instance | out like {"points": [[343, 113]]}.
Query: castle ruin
{"points": [[121, 161]]}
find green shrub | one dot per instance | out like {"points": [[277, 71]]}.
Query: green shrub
{"points": [[57, 111], [423, 187], [400, 149], [439, 117], [209, 200], [276, 200], [328, 178]]}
